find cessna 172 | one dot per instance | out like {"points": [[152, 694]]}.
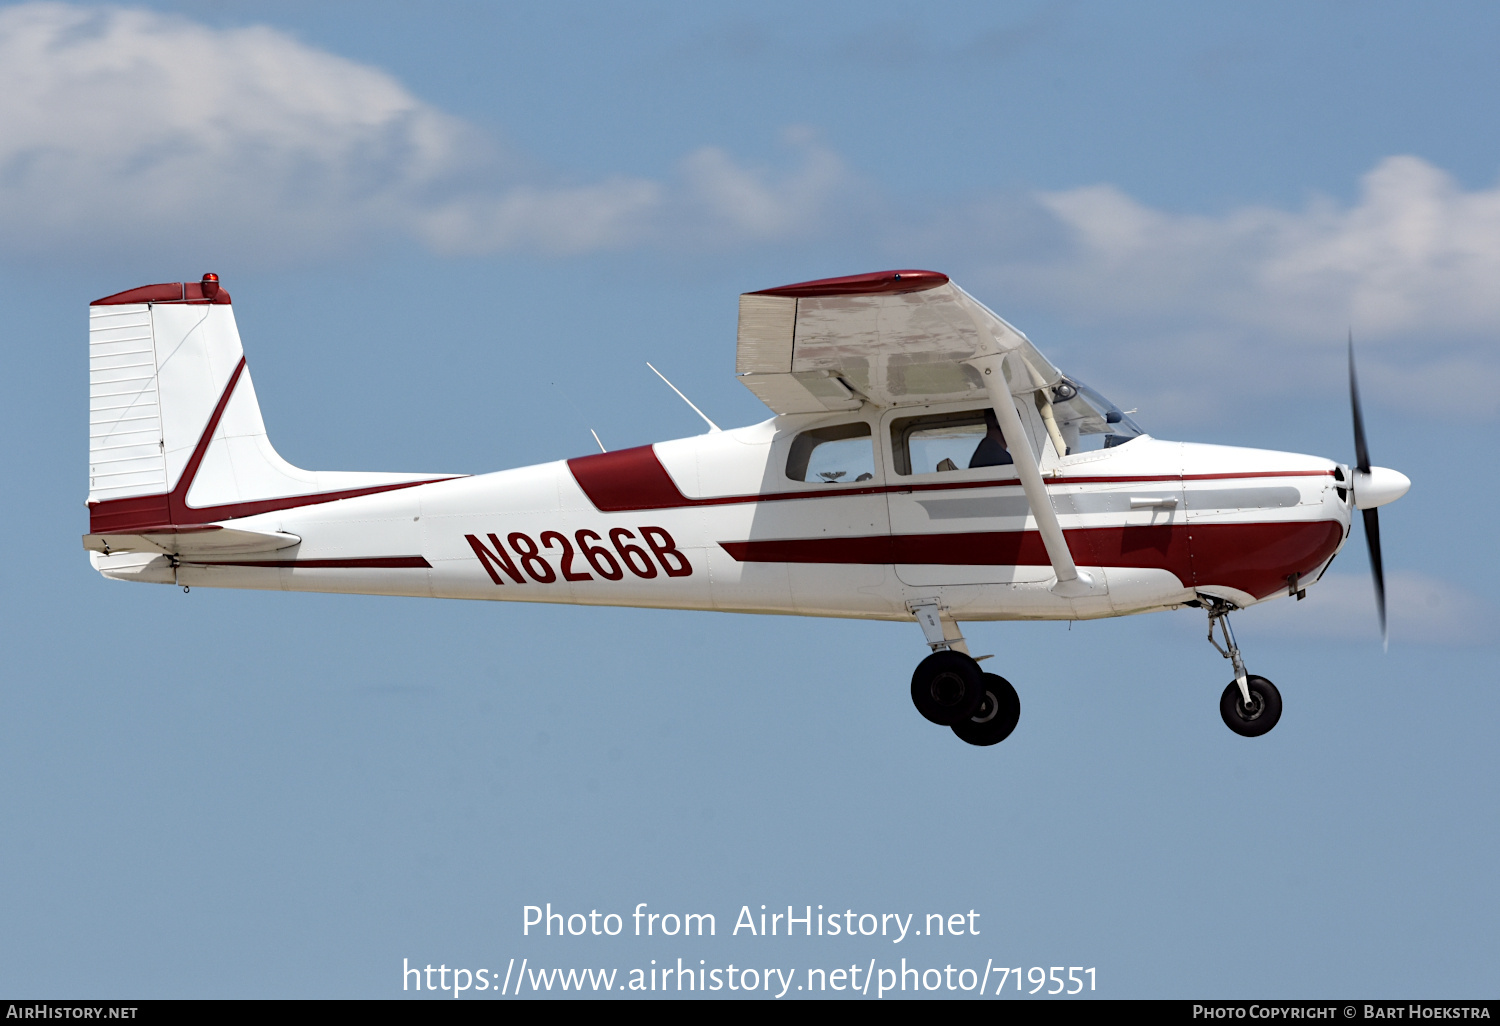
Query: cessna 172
{"points": [[926, 462]]}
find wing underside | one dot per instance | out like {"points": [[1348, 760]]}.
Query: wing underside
{"points": [[894, 338]]}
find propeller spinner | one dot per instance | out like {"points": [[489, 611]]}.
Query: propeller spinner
{"points": [[1373, 487]]}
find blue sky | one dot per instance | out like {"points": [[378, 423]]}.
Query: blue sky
{"points": [[454, 236]]}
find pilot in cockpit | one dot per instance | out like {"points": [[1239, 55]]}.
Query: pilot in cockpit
{"points": [[992, 450]]}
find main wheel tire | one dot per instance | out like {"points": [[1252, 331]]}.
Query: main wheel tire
{"points": [[1260, 716], [947, 687], [998, 713]]}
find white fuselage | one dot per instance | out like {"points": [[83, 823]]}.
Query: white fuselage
{"points": [[714, 522]]}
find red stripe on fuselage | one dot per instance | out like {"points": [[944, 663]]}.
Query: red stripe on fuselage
{"points": [[1255, 558], [634, 480], [361, 563], [626, 480]]}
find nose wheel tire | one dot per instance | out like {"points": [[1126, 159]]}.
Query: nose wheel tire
{"points": [[1259, 716], [947, 687], [998, 713]]}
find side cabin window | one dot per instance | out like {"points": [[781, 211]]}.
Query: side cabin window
{"points": [[948, 441], [839, 454]]}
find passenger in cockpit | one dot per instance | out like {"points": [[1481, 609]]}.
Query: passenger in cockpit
{"points": [[992, 450]]}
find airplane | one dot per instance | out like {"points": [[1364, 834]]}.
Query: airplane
{"points": [[925, 462]]}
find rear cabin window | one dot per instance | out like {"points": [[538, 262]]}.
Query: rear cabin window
{"points": [[839, 454], [948, 441]]}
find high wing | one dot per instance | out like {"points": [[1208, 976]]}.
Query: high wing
{"points": [[896, 338], [891, 338]]}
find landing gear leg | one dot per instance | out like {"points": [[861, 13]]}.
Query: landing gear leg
{"points": [[949, 689], [1250, 705], [948, 685], [1218, 613]]}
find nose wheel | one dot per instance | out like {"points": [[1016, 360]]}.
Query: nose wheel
{"points": [[1253, 718], [1250, 705]]}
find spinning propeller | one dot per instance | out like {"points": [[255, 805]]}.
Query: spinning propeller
{"points": [[1373, 487]]}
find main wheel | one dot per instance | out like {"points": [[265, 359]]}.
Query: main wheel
{"points": [[947, 687], [999, 711], [1259, 716]]}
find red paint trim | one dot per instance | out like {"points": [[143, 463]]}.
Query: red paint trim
{"points": [[1193, 477], [627, 479], [633, 480], [129, 516], [166, 292], [1255, 558], [177, 500], [134, 515], [137, 515], [175, 529], [234, 510], [122, 516], [873, 284], [365, 563]]}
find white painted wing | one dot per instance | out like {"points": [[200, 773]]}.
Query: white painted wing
{"points": [[893, 338]]}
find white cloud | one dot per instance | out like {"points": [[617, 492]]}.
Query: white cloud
{"points": [[127, 131], [130, 130], [1267, 294], [118, 127], [1420, 609], [1415, 252], [556, 220], [712, 201], [758, 204]]}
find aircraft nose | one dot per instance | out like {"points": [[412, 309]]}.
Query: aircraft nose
{"points": [[1378, 486]]}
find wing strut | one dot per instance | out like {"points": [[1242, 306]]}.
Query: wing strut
{"points": [[1071, 582]]}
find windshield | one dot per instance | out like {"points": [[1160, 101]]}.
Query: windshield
{"points": [[1087, 420]]}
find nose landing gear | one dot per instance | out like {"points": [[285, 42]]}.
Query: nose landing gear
{"points": [[1255, 717], [949, 689], [1250, 706]]}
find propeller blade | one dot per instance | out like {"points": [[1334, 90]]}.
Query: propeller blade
{"points": [[1377, 568], [1361, 451], [1371, 515]]}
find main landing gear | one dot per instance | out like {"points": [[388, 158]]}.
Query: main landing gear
{"points": [[949, 689], [1250, 705]]}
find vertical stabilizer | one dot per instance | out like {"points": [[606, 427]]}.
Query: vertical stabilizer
{"points": [[175, 431]]}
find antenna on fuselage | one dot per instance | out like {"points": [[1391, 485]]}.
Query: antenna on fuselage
{"points": [[711, 425], [580, 417]]}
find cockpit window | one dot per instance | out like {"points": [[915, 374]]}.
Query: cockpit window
{"points": [[948, 441], [1087, 420], [839, 454]]}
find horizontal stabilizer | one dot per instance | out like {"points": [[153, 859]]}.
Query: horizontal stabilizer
{"points": [[203, 540]]}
